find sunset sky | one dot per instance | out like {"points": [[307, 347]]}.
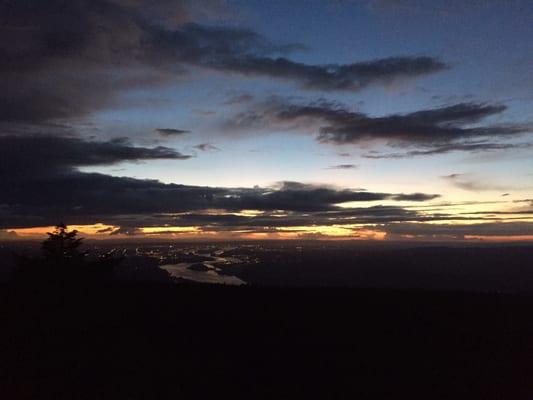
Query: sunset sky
{"points": [[187, 119]]}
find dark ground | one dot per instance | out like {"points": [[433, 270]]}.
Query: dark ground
{"points": [[152, 341], [495, 268]]}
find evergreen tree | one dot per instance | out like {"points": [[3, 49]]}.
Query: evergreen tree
{"points": [[63, 262], [62, 246]]}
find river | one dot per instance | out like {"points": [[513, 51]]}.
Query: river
{"points": [[211, 275]]}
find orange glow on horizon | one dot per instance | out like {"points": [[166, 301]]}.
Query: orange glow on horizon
{"points": [[510, 238], [92, 230], [169, 229], [318, 232]]}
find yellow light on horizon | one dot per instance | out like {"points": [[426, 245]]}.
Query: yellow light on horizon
{"points": [[93, 229], [169, 229], [500, 238]]}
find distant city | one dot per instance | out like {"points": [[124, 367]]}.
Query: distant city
{"points": [[428, 266]]}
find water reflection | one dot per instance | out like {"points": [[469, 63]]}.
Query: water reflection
{"points": [[202, 272]]}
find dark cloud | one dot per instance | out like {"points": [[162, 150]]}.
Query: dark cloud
{"points": [[105, 230], [221, 221], [52, 188], [335, 124], [67, 59], [334, 76], [206, 147], [458, 231], [343, 166], [57, 58], [339, 126], [495, 212], [39, 177], [40, 184], [295, 196], [45, 154], [171, 131], [415, 197], [88, 197], [448, 148], [530, 201], [375, 218]]}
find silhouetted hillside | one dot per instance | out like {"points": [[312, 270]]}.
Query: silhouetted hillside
{"points": [[471, 268], [137, 341]]}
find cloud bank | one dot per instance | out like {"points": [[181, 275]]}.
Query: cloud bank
{"points": [[67, 59], [337, 125]]}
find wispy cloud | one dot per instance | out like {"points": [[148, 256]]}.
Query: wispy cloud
{"points": [[343, 166], [171, 131], [466, 182], [449, 148], [99, 49], [437, 130], [206, 147]]}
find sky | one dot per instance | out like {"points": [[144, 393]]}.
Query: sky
{"points": [[225, 120]]}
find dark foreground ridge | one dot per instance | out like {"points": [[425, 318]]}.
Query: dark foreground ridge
{"points": [[140, 340]]}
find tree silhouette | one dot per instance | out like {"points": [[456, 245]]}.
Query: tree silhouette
{"points": [[63, 262], [62, 246]]}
